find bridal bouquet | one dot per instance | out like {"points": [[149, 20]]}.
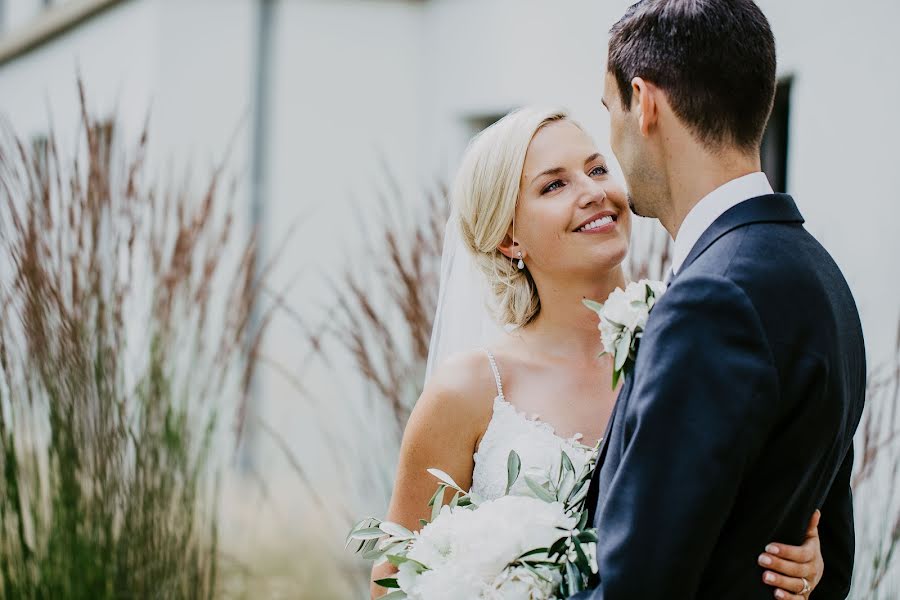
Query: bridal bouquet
{"points": [[516, 547], [622, 321]]}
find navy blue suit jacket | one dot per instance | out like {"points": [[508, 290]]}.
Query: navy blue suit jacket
{"points": [[738, 420]]}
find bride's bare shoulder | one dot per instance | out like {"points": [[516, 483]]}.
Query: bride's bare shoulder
{"points": [[462, 380]]}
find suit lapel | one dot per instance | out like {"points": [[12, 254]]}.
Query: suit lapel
{"points": [[620, 400], [594, 489], [773, 208]]}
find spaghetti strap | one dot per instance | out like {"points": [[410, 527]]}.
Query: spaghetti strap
{"points": [[496, 374]]}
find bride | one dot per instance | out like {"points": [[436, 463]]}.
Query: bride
{"points": [[546, 226]]}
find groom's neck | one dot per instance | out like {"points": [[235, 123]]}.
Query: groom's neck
{"points": [[693, 172]]}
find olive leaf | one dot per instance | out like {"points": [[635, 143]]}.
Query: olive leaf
{"points": [[513, 467]]}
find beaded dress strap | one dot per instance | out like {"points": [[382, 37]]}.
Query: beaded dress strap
{"points": [[496, 375]]}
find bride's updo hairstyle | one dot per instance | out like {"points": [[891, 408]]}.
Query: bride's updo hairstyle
{"points": [[485, 194]]}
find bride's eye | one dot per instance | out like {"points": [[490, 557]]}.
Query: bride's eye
{"points": [[599, 171], [552, 186]]}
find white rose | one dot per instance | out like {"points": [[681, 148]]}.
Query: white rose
{"points": [[617, 307], [521, 584], [438, 542], [465, 549], [634, 290], [608, 335], [637, 319], [450, 582], [407, 578], [621, 310], [633, 310]]}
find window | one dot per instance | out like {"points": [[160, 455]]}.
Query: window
{"points": [[775, 140]]}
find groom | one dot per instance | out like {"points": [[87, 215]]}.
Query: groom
{"points": [[737, 422]]}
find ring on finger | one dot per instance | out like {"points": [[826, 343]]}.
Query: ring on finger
{"points": [[806, 587]]}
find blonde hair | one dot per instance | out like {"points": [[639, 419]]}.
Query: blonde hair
{"points": [[485, 194]]}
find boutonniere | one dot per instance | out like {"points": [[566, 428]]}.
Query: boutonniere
{"points": [[623, 318]]}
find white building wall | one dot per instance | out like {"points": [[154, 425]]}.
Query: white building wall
{"points": [[203, 73], [845, 57]]}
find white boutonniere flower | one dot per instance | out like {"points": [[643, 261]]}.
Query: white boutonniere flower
{"points": [[623, 319]]}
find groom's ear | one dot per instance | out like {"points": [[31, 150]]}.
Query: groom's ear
{"points": [[644, 100]]}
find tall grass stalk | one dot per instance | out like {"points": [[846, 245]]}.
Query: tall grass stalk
{"points": [[377, 328], [124, 321], [385, 313], [876, 485]]}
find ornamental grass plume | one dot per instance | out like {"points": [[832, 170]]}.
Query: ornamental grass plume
{"points": [[125, 326], [876, 483]]}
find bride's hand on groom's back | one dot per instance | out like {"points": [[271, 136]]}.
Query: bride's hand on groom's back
{"points": [[787, 566]]}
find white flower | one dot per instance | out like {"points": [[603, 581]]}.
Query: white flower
{"points": [[466, 549], [623, 318], [616, 308], [438, 542], [407, 577], [452, 581], [520, 583], [609, 333], [628, 310]]}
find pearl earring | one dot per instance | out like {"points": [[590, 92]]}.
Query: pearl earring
{"points": [[521, 263]]}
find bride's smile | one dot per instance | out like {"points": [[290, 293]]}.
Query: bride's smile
{"points": [[604, 222]]}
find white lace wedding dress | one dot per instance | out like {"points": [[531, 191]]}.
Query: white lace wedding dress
{"points": [[535, 441]]}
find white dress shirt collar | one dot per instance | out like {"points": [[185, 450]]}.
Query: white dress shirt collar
{"points": [[711, 207]]}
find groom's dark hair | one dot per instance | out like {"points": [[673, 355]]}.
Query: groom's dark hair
{"points": [[714, 59]]}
